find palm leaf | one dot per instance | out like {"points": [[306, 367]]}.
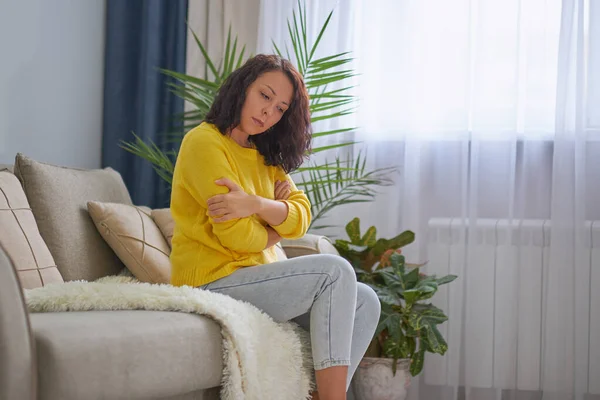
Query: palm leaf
{"points": [[188, 79], [315, 108], [161, 161], [348, 111], [334, 186], [332, 146], [321, 32]]}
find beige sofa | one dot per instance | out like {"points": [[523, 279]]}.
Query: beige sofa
{"points": [[97, 354]]}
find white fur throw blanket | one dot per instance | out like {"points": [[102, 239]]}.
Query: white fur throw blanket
{"points": [[262, 359]]}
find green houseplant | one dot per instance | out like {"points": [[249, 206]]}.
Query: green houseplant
{"points": [[333, 182], [408, 325]]}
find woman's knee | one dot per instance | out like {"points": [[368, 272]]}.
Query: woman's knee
{"points": [[367, 301], [339, 268]]}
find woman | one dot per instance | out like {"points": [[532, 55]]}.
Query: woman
{"points": [[233, 200]]}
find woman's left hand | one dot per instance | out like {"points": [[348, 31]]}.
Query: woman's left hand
{"points": [[282, 190], [232, 205]]}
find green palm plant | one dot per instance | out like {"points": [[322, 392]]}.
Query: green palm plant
{"points": [[327, 184]]}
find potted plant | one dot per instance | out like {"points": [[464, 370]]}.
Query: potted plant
{"points": [[408, 325]]}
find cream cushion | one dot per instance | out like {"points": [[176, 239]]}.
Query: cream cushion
{"points": [[309, 244], [135, 238], [58, 197], [20, 237], [164, 220]]}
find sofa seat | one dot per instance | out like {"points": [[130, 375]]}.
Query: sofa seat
{"points": [[125, 354]]}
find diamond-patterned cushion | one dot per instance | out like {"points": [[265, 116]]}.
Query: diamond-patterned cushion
{"points": [[135, 238], [164, 220], [20, 237]]}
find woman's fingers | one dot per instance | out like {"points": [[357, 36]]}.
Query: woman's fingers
{"points": [[277, 192], [281, 190], [217, 205], [285, 194], [224, 218], [215, 199], [217, 211], [277, 187]]}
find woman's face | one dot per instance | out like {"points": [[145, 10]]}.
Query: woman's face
{"points": [[267, 99]]}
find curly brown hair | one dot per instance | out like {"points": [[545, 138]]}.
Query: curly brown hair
{"points": [[287, 143]]}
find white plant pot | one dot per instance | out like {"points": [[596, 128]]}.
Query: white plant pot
{"points": [[374, 379]]}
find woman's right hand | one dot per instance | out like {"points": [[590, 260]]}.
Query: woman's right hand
{"points": [[282, 190]]}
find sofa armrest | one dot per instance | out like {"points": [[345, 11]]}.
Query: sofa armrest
{"points": [[308, 244], [18, 371]]}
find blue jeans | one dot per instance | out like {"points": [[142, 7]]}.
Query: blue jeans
{"points": [[320, 293]]}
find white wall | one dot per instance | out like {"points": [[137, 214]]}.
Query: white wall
{"points": [[51, 80]]}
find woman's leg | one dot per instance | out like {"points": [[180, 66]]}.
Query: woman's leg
{"points": [[366, 319], [322, 285]]}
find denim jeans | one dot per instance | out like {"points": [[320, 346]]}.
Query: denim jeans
{"points": [[320, 293]]}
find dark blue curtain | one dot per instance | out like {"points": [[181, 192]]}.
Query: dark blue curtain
{"points": [[141, 37]]}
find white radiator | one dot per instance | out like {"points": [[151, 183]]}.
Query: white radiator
{"points": [[496, 307]]}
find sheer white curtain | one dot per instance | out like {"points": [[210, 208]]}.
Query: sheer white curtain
{"points": [[490, 110]]}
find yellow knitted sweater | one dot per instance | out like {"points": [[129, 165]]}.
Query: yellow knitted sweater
{"points": [[202, 250]]}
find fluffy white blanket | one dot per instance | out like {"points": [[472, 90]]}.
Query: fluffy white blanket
{"points": [[262, 359]]}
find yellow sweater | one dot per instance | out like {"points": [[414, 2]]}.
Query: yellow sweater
{"points": [[204, 251]]}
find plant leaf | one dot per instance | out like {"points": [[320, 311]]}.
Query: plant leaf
{"points": [[397, 242], [331, 116], [320, 35], [203, 83], [446, 279], [436, 341], [418, 359], [353, 230], [425, 318], [431, 312], [370, 237], [387, 315], [386, 295], [411, 279], [209, 62], [161, 161], [333, 146]]}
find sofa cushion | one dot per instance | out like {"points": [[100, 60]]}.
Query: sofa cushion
{"points": [[164, 220], [135, 238], [20, 236], [125, 354], [58, 197], [309, 244]]}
